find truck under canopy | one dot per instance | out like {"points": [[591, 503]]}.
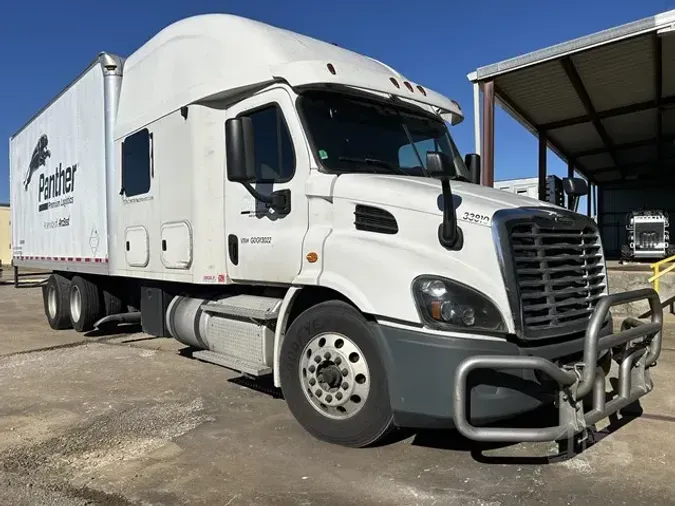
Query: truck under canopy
{"points": [[217, 56], [605, 104]]}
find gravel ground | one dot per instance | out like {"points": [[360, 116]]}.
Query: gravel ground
{"points": [[128, 420]]}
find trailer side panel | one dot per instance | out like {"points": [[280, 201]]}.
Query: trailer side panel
{"points": [[58, 178]]}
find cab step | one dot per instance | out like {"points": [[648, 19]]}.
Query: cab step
{"points": [[231, 362]]}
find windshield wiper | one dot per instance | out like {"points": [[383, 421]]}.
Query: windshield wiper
{"points": [[459, 178], [375, 163]]}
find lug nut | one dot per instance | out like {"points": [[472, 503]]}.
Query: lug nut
{"points": [[345, 386], [337, 360], [318, 392], [312, 368], [312, 381], [329, 398], [317, 359], [327, 356], [338, 396], [345, 372]]}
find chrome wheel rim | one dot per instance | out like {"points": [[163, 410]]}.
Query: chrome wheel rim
{"points": [[75, 303], [334, 376], [51, 301]]}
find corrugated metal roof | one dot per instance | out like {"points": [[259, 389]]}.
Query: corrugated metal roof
{"points": [[538, 93], [596, 97], [649, 24], [631, 127], [624, 65], [582, 137], [668, 119], [668, 65], [636, 155], [595, 162]]}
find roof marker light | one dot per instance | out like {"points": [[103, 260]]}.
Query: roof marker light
{"points": [[409, 86], [394, 82], [422, 90], [331, 69]]}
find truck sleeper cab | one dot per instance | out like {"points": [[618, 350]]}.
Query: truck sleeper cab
{"points": [[309, 216]]}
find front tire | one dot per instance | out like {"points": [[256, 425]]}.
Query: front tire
{"points": [[333, 378], [55, 296], [85, 304]]}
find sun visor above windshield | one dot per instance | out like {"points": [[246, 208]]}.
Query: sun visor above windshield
{"points": [[307, 73]]}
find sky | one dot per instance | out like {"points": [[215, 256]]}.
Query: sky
{"points": [[45, 44]]}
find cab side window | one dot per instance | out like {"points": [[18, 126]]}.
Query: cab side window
{"points": [[137, 163], [274, 154]]}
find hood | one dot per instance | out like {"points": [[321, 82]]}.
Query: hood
{"points": [[424, 194]]}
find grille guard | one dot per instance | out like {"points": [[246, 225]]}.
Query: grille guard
{"points": [[637, 347]]}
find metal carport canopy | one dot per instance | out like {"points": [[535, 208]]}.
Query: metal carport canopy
{"points": [[604, 103]]}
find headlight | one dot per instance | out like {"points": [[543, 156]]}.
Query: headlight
{"points": [[446, 304]]}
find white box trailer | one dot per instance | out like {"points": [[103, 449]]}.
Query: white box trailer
{"points": [[301, 210], [58, 185]]}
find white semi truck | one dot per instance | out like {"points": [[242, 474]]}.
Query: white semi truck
{"points": [[288, 207]]}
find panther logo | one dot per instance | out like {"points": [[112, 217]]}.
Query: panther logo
{"points": [[38, 159]]}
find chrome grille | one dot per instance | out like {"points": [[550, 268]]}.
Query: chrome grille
{"points": [[559, 273]]}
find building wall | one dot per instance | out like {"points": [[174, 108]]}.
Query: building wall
{"points": [[527, 186], [616, 201], [5, 235]]}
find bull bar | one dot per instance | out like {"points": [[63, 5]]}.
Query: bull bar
{"points": [[635, 348]]}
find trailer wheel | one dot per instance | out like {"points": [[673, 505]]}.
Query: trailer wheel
{"points": [[85, 304], [55, 296], [333, 378]]}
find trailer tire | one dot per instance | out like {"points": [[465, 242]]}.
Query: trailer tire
{"points": [[84, 303], [325, 332], [55, 297]]}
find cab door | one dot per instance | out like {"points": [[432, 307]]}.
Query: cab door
{"points": [[264, 244]]}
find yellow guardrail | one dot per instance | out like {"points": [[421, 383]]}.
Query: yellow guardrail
{"points": [[656, 268]]}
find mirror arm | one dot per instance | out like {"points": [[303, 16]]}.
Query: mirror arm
{"points": [[279, 200], [449, 234]]}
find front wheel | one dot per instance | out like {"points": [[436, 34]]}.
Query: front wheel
{"points": [[333, 378]]}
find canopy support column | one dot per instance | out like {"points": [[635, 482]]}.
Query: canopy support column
{"points": [[488, 151], [542, 165]]}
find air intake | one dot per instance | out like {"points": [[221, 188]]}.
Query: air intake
{"points": [[373, 219]]}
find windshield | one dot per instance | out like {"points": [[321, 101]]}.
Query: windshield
{"points": [[352, 134]]}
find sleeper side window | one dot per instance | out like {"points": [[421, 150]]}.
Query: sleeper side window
{"points": [[136, 163]]}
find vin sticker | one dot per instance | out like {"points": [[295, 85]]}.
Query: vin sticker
{"points": [[481, 219]]}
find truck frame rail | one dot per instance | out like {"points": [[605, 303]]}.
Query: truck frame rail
{"points": [[636, 347]]}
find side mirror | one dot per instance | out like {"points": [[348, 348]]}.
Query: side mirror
{"points": [[438, 165], [472, 162], [449, 234], [575, 186], [239, 145]]}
